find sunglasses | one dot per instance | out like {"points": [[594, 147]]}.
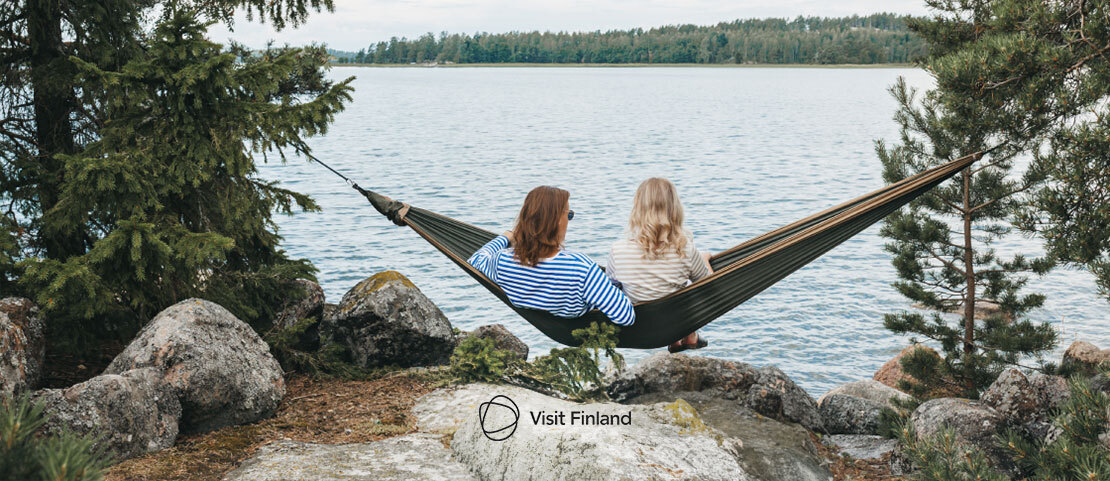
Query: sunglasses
{"points": [[570, 215]]}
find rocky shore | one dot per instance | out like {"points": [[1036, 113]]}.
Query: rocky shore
{"points": [[196, 369]]}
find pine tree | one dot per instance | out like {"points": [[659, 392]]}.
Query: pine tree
{"points": [[169, 191], [1042, 71], [942, 247]]}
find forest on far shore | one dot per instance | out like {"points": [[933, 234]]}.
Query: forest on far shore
{"points": [[873, 39]]}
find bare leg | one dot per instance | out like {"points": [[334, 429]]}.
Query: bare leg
{"points": [[691, 339]]}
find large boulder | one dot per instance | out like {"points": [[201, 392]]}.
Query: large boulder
{"points": [[1085, 357], [973, 423], [844, 414], [767, 390], [770, 450], [660, 441], [1013, 397], [415, 456], [502, 339], [891, 372], [130, 414], [871, 390], [1028, 403], [386, 320], [219, 368], [22, 345]]}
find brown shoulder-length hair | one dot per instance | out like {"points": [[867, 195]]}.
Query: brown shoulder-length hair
{"points": [[537, 226]]}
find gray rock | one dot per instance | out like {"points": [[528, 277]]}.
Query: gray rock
{"points": [[219, 368], [305, 310], [502, 339], [415, 456], [1013, 396], [661, 441], [327, 313], [1100, 382], [1085, 357], [1028, 403], [1052, 392], [22, 345], [310, 303], [775, 395], [766, 390], [132, 413], [900, 463], [973, 423], [869, 389], [860, 446], [385, 320], [771, 450], [844, 414]]}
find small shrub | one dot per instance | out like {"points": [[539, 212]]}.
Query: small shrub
{"points": [[1077, 454], [26, 455], [295, 354], [478, 359], [572, 371]]}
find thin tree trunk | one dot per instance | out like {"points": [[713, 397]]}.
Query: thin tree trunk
{"points": [[51, 84], [969, 269]]}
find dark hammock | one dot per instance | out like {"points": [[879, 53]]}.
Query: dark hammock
{"points": [[739, 273]]}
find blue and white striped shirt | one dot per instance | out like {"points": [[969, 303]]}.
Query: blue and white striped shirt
{"points": [[567, 285]]}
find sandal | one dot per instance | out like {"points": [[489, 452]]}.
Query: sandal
{"points": [[702, 342]]}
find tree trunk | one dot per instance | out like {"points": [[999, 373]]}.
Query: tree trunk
{"points": [[969, 269], [52, 87]]}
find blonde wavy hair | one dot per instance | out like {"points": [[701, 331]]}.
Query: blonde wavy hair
{"points": [[656, 219]]}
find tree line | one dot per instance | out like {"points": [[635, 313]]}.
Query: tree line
{"points": [[872, 39]]}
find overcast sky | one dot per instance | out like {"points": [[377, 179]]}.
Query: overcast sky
{"points": [[356, 24]]}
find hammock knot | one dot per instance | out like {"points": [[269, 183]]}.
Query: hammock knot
{"points": [[393, 210]]}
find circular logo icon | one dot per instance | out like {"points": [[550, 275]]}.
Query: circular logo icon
{"points": [[498, 418]]}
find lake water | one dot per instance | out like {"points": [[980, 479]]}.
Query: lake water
{"points": [[750, 149]]}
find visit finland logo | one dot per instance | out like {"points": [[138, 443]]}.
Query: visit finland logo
{"points": [[499, 416], [499, 428]]}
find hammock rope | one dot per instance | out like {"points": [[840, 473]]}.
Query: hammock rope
{"points": [[739, 273]]}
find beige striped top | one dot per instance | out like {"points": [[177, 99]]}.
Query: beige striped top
{"points": [[647, 279]]}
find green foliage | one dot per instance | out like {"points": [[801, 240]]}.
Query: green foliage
{"points": [[478, 359], [573, 371], [171, 184], [576, 371], [292, 349], [1038, 74], [23, 455], [893, 419], [942, 458], [878, 38], [9, 253], [1076, 454], [112, 129]]}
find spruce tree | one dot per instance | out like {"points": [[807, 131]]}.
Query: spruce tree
{"points": [[174, 220], [942, 248], [169, 190]]}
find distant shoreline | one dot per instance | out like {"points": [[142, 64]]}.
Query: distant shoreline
{"points": [[625, 65]]}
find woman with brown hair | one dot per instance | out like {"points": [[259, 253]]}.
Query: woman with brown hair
{"points": [[530, 265], [657, 256]]}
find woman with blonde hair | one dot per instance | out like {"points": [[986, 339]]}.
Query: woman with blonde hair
{"points": [[657, 256]]}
